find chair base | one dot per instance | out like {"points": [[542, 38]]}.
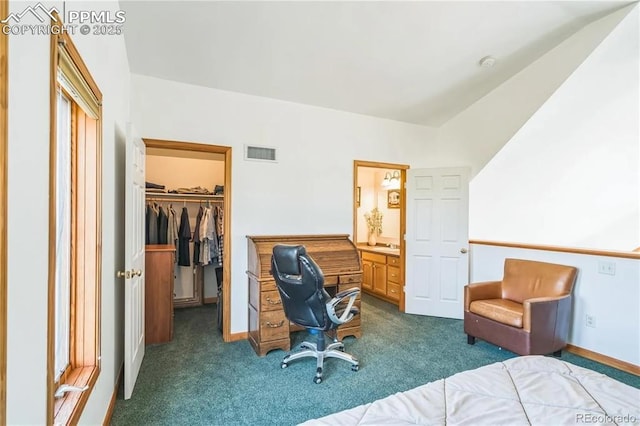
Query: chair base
{"points": [[333, 350]]}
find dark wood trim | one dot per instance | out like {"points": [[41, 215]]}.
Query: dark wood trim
{"points": [[226, 261], [592, 252], [4, 187], [604, 359]]}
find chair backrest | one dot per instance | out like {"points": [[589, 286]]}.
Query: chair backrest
{"points": [[526, 279], [300, 283]]}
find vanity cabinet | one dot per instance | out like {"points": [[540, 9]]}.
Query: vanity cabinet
{"points": [[381, 275]]}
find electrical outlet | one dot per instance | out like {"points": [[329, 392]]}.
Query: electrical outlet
{"points": [[607, 268], [590, 321]]}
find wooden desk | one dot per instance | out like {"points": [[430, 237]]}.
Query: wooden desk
{"points": [[339, 260]]}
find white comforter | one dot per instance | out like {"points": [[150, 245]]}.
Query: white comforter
{"points": [[520, 391]]}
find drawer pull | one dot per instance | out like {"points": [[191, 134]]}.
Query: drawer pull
{"points": [[271, 325], [276, 302]]}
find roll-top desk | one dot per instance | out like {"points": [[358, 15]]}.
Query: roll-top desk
{"points": [[339, 260]]}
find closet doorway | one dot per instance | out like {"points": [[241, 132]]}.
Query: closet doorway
{"points": [[180, 166]]}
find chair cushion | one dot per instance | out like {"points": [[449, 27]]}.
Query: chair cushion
{"points": [[500, 310]]}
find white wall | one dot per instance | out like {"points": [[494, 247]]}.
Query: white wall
{"points": [[573, 169], [28, 214], [571, 177], [309, 189], [611, 299], [475, 135]]}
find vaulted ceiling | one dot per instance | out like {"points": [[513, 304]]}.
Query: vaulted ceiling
{"points": [[415, 61]]}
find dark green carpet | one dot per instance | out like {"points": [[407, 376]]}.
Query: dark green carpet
{"points": [[197, 379]]}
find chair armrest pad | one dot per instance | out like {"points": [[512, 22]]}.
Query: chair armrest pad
{"points": [[349, 311], [540, 309], [481, 291], [537, 300]]}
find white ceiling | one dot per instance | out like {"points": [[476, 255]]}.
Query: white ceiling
{"points": [[409, 61]]}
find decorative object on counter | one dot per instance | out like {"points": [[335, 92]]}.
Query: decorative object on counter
{"points": [[374, 225], [393, 199]]}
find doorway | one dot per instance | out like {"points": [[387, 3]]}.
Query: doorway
{"points": [[379, 189], [221, 156]]}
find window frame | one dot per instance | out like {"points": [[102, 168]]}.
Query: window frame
{"points": [[70, 74]]}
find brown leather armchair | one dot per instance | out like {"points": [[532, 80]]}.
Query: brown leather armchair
{"points": [[528, 312]]}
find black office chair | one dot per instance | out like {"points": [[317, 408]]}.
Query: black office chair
{"points": [[306, 303]]}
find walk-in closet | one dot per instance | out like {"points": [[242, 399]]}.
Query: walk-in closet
{"points": [[184, 235]]}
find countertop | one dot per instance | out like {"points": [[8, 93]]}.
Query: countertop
{"points": [[379, 249]]}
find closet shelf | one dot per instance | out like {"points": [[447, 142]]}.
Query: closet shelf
{"points": [[181, 197]]}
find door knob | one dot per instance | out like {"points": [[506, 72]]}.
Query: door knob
{"points": [[463, 250], [137, 273], [123, 274]]}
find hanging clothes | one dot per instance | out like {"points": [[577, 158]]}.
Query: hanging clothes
{"points": [[172, 230], [196, 237], [151, 224], [163, 224], [218, 217], [184, 236]]}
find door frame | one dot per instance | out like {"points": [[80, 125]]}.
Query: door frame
{"points": [[226, 239], [403, 223]]}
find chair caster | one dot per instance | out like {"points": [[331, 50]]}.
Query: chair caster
{"points": [[283, 364], [318, 378], [355, 367]]}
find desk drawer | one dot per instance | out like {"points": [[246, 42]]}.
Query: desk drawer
{"points": [[393, 260], [270, 300], [330, 280], [268, 286], [273, 325], [351, 278], [393, 274]]}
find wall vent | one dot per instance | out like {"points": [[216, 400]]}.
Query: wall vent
{"points": [[260, 153]]}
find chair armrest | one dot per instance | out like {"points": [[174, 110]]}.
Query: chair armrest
{"points": [[539, 311], [349, 311], [481, 291]]}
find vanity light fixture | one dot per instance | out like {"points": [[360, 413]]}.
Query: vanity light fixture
{"points": [[391, 181]]}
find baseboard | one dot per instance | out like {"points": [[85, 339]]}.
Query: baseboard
{"points": [[209, 300], [238, 336], [112, 403], [604, 359]]}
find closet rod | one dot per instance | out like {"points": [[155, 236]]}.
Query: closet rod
{"points": [[187, 200]]}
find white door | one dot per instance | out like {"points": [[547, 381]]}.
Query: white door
{"points": [[134, 260], [437, 264]]}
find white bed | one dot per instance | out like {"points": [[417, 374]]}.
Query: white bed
{"points": [[520, 391]]}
